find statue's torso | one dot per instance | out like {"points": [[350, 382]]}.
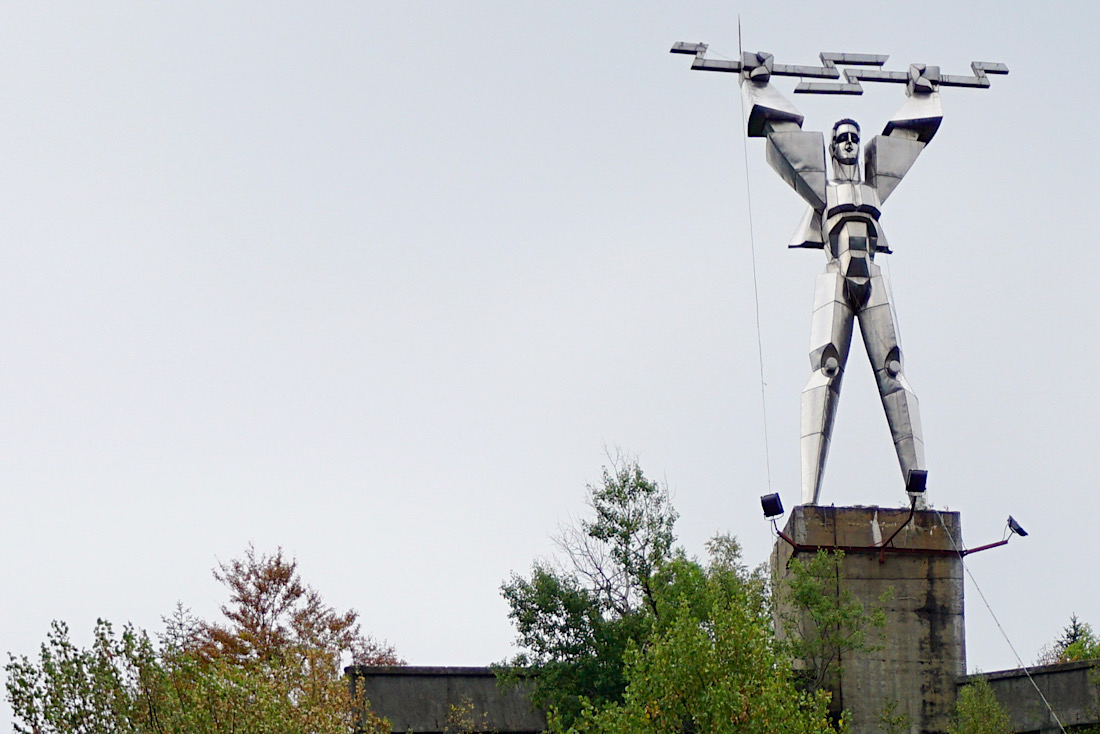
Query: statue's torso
{"points": [[853, 233]]}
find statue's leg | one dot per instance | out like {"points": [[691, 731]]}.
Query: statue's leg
{"points": [[877, 324], [830, 338]]}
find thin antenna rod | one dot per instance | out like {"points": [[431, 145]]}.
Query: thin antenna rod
{"points": [[755, 286]]}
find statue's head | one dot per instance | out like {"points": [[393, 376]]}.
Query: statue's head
{"points": [[845, 145]]}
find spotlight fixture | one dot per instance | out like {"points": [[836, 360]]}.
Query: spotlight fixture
{"points": [[917, 481], [772, 505], [1016, 527]]}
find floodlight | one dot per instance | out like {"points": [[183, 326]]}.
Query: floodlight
{"points": [[1016, 527], [917, 481], [773, 506]]}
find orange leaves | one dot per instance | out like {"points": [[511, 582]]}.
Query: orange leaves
{"points": [[274, 619]]}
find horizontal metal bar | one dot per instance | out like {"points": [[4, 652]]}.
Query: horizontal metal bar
{"points": [[686, 47], [852, 76], [816, 72], [853, 59], [952, 80], [872, 549], [828, 88], [987, 546], [809, 548], [701, 64], [877, 75]]}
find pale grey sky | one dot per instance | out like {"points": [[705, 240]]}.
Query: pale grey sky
{"points": [[379, 282]]}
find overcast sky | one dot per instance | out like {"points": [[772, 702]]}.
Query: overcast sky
{"points": [[382, 283]]}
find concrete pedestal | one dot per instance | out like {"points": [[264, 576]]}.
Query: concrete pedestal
{"points": [[909, 668]]}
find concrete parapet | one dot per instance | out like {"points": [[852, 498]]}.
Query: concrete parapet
{"points": [[1070, 689], [420, 699], [911, 669]]}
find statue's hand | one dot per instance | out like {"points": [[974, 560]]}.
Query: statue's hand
{"points": [[923, 80], [756, 67]]}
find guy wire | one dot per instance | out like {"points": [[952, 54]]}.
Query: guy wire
{"points": [[755, 287], [996, 621]]}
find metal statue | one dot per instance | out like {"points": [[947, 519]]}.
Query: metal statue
{"points": [[843, 220]]}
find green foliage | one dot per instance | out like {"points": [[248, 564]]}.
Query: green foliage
{"points": [[274, 666], [711, 664], [462, 718], [1077, 642], [633, 531], [573, 645], [977, 711], [575, 624], [892, 721], [825, 620], [78, 690], [628, 634]]}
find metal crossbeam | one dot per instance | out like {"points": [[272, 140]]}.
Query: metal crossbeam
{"points": [[761, 67]]}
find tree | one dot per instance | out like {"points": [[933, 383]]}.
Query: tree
{"points": [[575, 622], [78, 690], [628, 634], [711, 664], [977, 711], [632, 534], [275, 619], [1077, 642], [273, 666]]}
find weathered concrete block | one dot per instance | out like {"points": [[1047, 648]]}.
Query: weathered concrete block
{"points": [[912, 668], [1069, 688], [420, 699]]}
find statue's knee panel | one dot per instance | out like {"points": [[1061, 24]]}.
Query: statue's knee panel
{"points": [[893, 365], [829, 361]]}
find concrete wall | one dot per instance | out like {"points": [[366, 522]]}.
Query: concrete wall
{"points": [[419, 699], [913, 664], [1070, 689]]}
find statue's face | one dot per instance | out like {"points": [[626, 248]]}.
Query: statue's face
{"points": [[846, 144]]}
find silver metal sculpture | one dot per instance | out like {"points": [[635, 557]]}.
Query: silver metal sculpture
{"points": [[843, 220]]}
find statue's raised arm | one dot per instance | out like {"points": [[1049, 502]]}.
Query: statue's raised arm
{"points": [[889, 156], [797, 156]]}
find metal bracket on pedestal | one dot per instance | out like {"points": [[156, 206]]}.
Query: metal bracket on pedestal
{"points": [[884, 547]]}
